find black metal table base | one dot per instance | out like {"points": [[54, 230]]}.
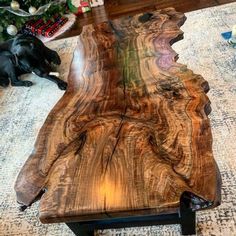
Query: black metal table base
{"points": [[186, 218]]}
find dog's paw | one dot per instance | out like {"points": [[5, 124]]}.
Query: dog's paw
{"points": [[56, 58], [27, 83], [22, 83], [4, 83], [62, 85]]}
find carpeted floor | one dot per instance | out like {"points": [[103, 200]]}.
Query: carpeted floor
{"points": [[23, 111]]}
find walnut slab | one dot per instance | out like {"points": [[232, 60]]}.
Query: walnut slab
{"points": [[130, 135]]}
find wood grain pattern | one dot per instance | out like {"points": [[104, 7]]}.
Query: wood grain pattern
{"points": [[130, 135]]}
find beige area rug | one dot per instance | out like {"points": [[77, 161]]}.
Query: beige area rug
{"points": [[23, 111]]}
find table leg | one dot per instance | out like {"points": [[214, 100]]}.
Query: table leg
{"points": [[80, 230], [187, 217]]}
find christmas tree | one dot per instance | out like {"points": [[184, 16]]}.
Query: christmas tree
{"points": [[15, 13]]}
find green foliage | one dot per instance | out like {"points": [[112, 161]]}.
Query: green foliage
{"points": [[8, 18]]}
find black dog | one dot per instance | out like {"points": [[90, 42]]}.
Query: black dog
{"points": [[27, 54]]}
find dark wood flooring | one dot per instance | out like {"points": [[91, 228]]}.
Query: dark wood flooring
{"points": [[116, 8]]}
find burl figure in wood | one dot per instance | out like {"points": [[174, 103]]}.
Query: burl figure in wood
{"points": [[131, 134]]}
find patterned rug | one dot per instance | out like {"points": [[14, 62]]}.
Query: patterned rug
{"points": [[23, 111]]}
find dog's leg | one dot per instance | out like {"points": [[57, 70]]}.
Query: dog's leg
{"points": [[60, 83], [4, 82], [52, 56], [16, 82]]}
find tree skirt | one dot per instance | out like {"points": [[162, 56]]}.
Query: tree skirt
{"points": [[24, 110]]}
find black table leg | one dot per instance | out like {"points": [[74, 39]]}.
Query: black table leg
{"points": [[187, 216], [80, 230], [186, 219]]}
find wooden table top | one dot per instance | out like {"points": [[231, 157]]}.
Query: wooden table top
{"points": [[131, 133], [117, 8]]}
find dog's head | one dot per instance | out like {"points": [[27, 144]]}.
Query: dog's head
{"points": [[26, 44], [29, 52]]}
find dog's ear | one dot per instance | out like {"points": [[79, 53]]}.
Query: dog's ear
{"points": [[14, 60], [26, 44]]}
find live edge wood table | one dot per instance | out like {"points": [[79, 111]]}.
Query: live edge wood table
{"points": [[129, 143]]}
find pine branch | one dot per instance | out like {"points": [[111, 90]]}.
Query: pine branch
{"points": [[8, 18]]}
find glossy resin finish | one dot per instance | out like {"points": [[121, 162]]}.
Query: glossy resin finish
{"points": [[130, 135]]}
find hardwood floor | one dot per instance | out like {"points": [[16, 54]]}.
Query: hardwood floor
{"points": [[115, 8]]}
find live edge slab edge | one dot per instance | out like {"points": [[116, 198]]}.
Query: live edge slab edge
{"points": [[131, 134]]}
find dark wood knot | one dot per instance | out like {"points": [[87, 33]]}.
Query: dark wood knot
{"points": [[145, 17]]}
